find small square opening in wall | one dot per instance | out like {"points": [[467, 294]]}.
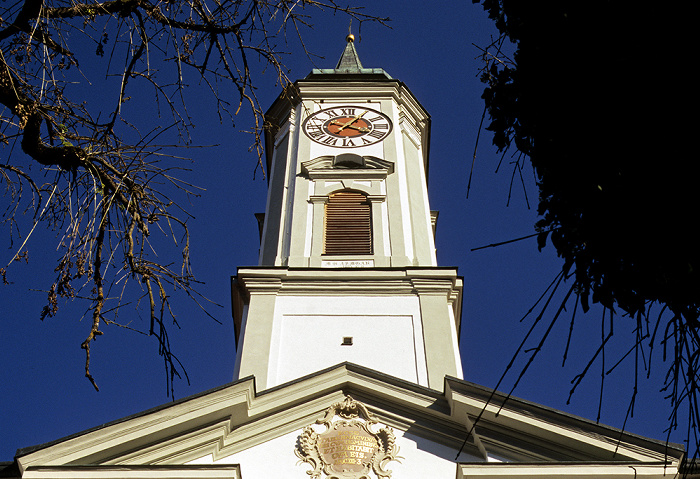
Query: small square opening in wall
{"points": [[347, 341]]}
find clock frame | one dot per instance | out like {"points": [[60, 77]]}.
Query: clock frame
{"points": [[347, 126]]}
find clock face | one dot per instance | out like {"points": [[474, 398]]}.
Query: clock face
{"points": [[347, 126]]}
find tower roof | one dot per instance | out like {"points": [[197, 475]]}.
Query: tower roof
{"points": [[349, 64], [349, 61]]}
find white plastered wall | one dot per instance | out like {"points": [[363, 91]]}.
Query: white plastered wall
{"points": [[308, 332]]}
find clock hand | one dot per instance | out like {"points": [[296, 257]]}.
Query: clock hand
{"points": [[348, 125], [358, 128], [357, 117]]}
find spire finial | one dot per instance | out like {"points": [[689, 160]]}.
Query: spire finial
{"points": [[349, 61]]}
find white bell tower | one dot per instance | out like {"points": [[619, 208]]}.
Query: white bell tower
{"points": [[347, 269]]}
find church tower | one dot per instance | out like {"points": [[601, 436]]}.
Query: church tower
{"points": [[347, 269], [347, 359]]}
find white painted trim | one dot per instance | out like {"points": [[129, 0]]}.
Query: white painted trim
{"points": [[241, 338], [308, 237], [288, 199], [217, 471], [566, 471], [404, 201], [231, 419], [455, 343]]}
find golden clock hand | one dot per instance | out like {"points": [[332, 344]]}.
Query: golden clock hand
{"points": [[348, 125], [357, 117], [358, 128]]}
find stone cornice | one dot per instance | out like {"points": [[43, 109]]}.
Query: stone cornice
{"points": [[263, 285], [347, 174], [236, 417], [579, 470], [346, 281], [213, 471], [334, 167], [506, 424]]}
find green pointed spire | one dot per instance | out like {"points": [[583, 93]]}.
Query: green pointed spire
{"points": [[349, 61], [349, 64]]}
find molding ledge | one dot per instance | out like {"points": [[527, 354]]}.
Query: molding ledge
{"points": [[134, 472]]}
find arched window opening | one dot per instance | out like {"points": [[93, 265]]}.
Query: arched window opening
{"points": [[348, 224]]}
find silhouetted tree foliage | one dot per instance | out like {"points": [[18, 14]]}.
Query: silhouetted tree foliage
{"points": [[93, 97], [593, 95]]}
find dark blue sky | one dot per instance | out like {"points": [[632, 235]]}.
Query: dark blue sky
{"points": [[45, 395]]}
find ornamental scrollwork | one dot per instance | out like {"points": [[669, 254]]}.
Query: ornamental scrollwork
{"points": [[350, 446]]}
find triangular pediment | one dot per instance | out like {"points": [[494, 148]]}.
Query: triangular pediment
{"points": [[236, 425], [346, 163]]}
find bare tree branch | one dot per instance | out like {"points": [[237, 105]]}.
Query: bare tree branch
{"points": [[114, 191]]}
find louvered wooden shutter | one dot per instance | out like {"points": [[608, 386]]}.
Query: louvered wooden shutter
{"points": [[348, 226]]}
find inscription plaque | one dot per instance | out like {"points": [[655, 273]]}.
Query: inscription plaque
{"points": [[348, 448], [360, 263]]}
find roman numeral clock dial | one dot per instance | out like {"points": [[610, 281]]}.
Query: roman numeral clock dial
{"points": [[347, 126]]}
